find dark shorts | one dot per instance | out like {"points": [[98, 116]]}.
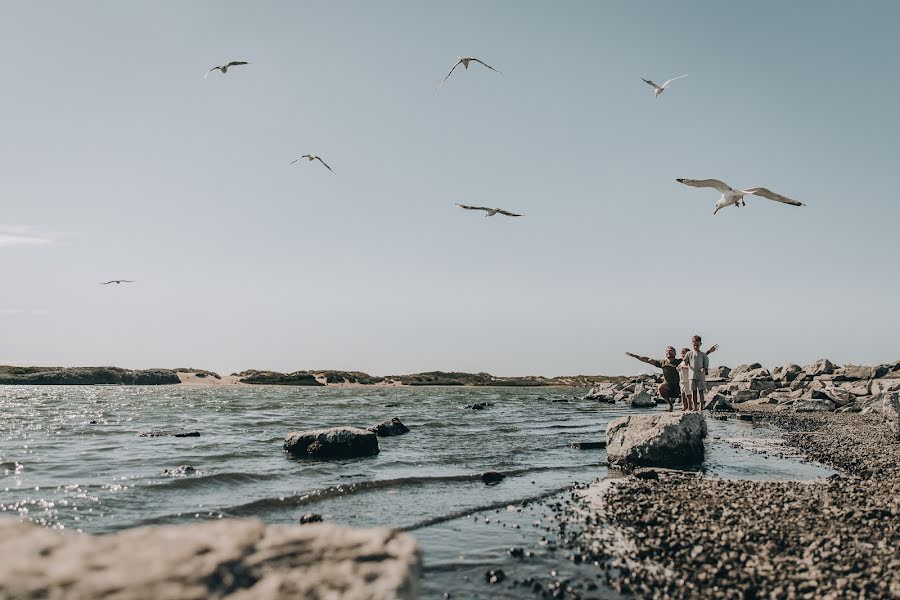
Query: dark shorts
{"points": [[673, 391]]}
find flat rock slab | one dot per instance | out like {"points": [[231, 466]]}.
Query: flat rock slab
{"points": [[336, 442], [235, 559], [666, 440], [390, 427]]}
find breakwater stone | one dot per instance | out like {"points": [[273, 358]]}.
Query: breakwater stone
{"points": [[665, 440], [336, 442], [230, 558]]}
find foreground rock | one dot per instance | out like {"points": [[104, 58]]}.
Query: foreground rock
{"points": [[389, 428], [891, 410], [664, 440], [336, 442], [236, 559]]}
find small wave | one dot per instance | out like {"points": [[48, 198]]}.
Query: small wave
{"points": [[211, 479], [263, 504]]}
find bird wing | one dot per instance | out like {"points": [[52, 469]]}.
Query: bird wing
{"points": [[210, 71], [297, 159], [126, 281], [107, 282], [459, 62], [324, 163], [765, 193], [467, 207], [508, 214], [650, 83], [671, 80], [235, 63], [484, 63], [713, 183]]}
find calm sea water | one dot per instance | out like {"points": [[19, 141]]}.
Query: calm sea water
{"points": [[60, 469]]}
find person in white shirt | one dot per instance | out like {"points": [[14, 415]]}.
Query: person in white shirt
{"points": [[698, 363]]}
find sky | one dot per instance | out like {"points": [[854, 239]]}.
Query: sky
{"points": [[119, 160]]}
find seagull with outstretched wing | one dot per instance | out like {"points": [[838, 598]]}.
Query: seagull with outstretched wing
{"points": [[489, 212], [731, 196], [312, 157], [659, 89], [464, 61], [117, 281], [224, 68]]}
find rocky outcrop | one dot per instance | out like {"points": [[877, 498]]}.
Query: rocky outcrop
{"points": [[662, 440], [300, 378], [390, 427], [823, 366], [85, 376], [336, 442], [234, 559]]}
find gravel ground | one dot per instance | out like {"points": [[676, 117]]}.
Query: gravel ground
{"points": [[677, 535]]}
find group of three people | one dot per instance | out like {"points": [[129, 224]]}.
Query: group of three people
{"points": [[684, 377]]}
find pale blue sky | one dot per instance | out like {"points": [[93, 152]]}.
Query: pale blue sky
{"points": [[118, 160]]}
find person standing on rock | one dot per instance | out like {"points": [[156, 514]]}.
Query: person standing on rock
{"points": [[698, 363], [685, 373], [670, 388]]}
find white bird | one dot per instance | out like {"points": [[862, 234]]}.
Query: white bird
{"points": [[312, 157], [464, 61], [659, 89], [489, 212], [731, 196], [224, 68], [117, 281]]}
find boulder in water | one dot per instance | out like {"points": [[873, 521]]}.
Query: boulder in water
{"points": [[164, 433], [642, 400], [310, 518], [492, 477], [661, 440], [588, 445], [336, 442], [390, 427], [180, 471]]}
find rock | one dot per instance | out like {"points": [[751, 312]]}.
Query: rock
{"points": [[662, 440], [813, 405], [800, 382], [180, 471], [495, 576], [885, 386], [310, 518], [477, 406], [789, 372], [762, 384], [739, 396], [223, 558], [588, 445], [887, 371], [719, 372], [719, 403], [389, 428], [642, 400], [854, 373], [890, 408], [164, 433], [745, 417], [851, 408], [646, 473], [839, 396], [823, 366], [336, 442], [492, 477], [740, 369]]}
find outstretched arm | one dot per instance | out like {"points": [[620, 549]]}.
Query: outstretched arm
{"points": [[712, 348], [649, 361]]}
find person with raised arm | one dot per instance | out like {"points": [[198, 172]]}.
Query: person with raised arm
{"points": [[670, 389]]}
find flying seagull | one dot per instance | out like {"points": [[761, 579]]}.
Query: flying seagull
{"points": [[224, 68], [117, 281], [312, 157], [464, 61], [489, 212], [659, 89], [736, 197]]}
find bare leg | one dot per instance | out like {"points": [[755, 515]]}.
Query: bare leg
{"points": [[663, 390], [684, 401], [693, 400], [702, 400]]}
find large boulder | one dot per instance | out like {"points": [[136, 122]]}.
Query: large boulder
{"points": [[719, 403], [788, 372], [741, 369], [823, 366], [839, 396], [237, 559], [659, 440], [390, 427], [720, 372], [739, 396], [813, 405], [890, 408], [642, 400], [854, 373], [762, 383], [336, 442]]}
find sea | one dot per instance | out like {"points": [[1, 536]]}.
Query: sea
{"points": [[71, 457]]}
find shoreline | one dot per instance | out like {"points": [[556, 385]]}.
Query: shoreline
{"points": [[676, 534]]}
